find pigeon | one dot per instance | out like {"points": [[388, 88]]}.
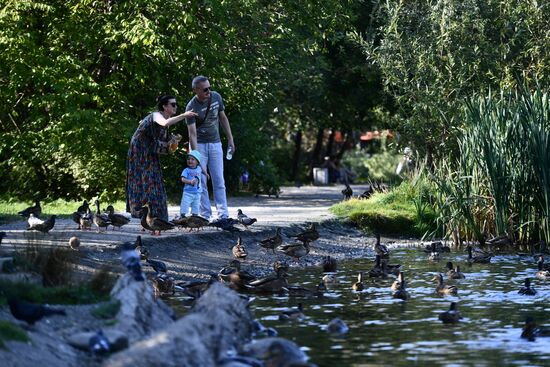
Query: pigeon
{"points": [[45, 226], [244, 219], [130, 259], [99, 344], [33, 220], [31, 312], [36, 210], [158, 266]]}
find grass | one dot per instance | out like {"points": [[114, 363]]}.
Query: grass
{"points": [[61, 208], [10, 331], [396, 212]]}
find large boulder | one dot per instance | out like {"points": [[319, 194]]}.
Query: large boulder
{"points": [[140, 313], [220, 322]]}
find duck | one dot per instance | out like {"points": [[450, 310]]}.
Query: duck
{"points": [[393, 269], [282, 265], [101, 220], [244, 219], [157, 224], [378, 271], [275, 283], [79, 211], [157, 265], [86, 220], [239, 251], [309, 235], [439, 247], [36, 210], [196, 288], [358, 286], [444, 289], [44, 226], [541, 273], [401, 292], [237, 278], [163, 285], [117, 220], [381, 250], [531, 331], [434, 254], [293, 314], [454, 272], [295, 250], [526, 289], [329, 280], [397, 283], [452, 316], [192, 222], [329, 264], [337, 327], [298, 291], [480, 257], [143, 220], [545, 266], [143, 250], [272, 242], [347, 192]]}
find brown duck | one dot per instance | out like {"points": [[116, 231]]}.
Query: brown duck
{"points": [[86, 220], [238, 279], [82, 209], [275, 283], [117, 220], [239, 251], [101, 220], [272, 242], [444, 289], [295, 250], [157, 224], [307, 236], [191, 222], [329, 264]]}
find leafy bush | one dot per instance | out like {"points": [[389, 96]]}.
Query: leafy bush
{"points": [[376, 167]]}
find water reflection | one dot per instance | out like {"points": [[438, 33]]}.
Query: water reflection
{"points": [[388, 331]]}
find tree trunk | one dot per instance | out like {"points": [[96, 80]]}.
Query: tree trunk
{"points": [[296, 158], [330, 143], [316, 154], [346, 145]]}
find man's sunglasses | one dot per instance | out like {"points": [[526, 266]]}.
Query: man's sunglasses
{"points": [[174, 104], [206, 89]]}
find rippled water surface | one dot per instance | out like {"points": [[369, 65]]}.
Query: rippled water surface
{"points": [[386, 331]]}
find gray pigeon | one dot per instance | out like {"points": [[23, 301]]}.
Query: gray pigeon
{"points": [[130, 259], [244, 219], [99, 344]]}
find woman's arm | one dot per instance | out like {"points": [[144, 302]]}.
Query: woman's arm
{"points": [[159, 119]]}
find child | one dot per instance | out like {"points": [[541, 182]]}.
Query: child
{"points": [[191, 177]]}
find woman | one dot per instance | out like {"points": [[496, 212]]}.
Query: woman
{"points": [[143, 173]]}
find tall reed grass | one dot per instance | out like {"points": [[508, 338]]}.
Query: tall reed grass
{"points": [[500, 182]]}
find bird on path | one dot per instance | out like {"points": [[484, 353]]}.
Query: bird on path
{"points": [[36, 210], [101, 220], [45, 226], [155, 223], [272, 242], [130, 259], [239, 251], [86, 220], [157, 265], [82, 209], [452, 316], [31, 312], [117, 220], [99, 345], [295, 250], [33, 220], [347, 192], [244, 219], [309, 235]]}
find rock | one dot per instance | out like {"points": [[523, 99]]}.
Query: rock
{"points": [[30, 278], [276, 352], [140, 314], [219, 322], [117, 339], [6, 263]]}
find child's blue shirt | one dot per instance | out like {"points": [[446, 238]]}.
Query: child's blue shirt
{"points": [[189, 174]]}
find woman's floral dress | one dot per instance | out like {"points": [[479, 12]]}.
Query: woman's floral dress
{"points": [[143, 172]]}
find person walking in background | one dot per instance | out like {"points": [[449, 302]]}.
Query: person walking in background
{"points": [[143, 172], [204, 136], [191, 177]]}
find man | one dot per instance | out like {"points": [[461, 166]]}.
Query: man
{"points": [[204, 136]]}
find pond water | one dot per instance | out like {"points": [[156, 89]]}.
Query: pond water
{"points": [[387, 331]]}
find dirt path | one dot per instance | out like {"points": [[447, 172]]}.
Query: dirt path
{"points": [[197, 254]]}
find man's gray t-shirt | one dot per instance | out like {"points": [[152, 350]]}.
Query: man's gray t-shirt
{"points": [[208, 131]]}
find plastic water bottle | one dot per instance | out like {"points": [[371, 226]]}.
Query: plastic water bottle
{"points": [[229, 154]]}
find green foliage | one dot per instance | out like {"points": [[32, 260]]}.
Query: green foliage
{"points": [[62, 295], [107, 310], [10, 331], [405, 210], [376, 167]]}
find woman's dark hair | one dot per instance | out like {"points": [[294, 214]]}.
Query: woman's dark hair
{"points": [[162, 100]]}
